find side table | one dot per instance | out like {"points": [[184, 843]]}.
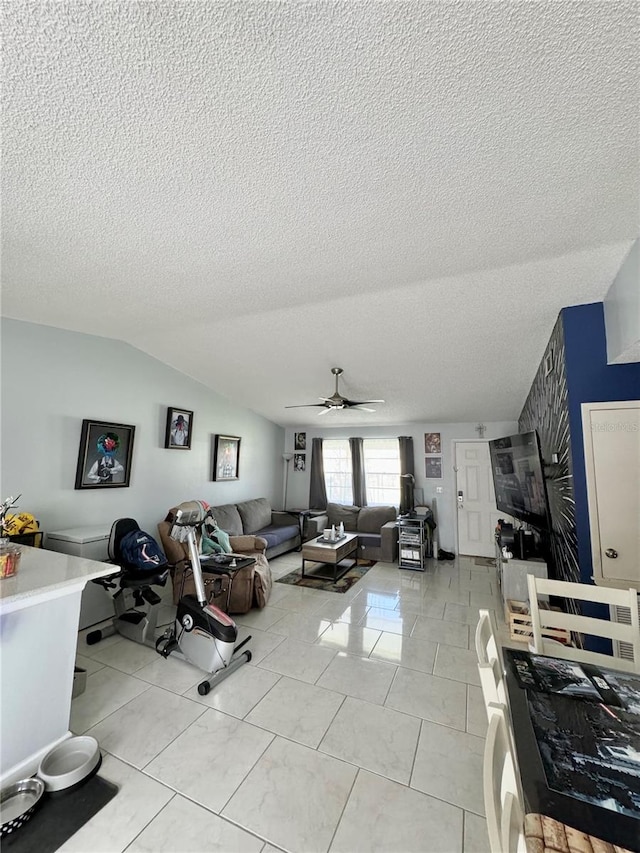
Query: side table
{"points": [[302, 515], [225, 568]]}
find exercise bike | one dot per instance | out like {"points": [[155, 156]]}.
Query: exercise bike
{"points": [[136, 604], [202, 634]]}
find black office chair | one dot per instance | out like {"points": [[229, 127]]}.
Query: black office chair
{"points": [[135, 590]]}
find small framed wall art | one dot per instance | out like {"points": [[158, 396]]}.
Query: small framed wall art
{"points": [[300, 441], [433, 467], [226, 458], [104, 459], [179, 429], [432, 443], [299, 462]]}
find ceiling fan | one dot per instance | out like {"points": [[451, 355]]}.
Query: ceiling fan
{"points": [[337, 401]]}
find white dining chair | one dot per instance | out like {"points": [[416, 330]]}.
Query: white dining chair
{"points": [[512, 825], [489, 660], [548, 620], [492, 684], [503, 800], [486, 637]]}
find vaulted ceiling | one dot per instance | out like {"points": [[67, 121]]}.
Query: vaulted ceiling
{"points": [[255, 192]]}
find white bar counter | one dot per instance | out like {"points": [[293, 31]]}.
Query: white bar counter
{"points": [[39, 617]]}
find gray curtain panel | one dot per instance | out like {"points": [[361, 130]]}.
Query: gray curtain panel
{"points": [[357, 472], [406, 467], [317, 489]]}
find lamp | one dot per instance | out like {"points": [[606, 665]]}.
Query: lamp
{"points": [[286, 457]]}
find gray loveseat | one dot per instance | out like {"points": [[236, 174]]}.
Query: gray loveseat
{"points": [[375, 526], [280, 530]]}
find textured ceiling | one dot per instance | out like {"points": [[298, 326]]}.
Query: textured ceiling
{"points": [[256, 192]]}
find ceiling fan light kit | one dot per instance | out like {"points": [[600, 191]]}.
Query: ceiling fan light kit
{"points": [[336, 400]]}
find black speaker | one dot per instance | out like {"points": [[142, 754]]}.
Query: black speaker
{"points": [[519, 545], [506, 536]]}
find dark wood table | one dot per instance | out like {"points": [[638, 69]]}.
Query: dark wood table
{"points": [[577, 736], [225, 565]]}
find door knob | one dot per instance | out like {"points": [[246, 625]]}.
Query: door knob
{"points": [[611, 553]]}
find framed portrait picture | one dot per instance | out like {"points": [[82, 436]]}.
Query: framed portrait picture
{"points": [[432, 443], [226, 457], [179, 429], [104, 459], [300, 441], [299, 462], [433, 468]]}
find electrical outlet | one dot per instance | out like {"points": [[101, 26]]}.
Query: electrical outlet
{"points": [[439, 490]]}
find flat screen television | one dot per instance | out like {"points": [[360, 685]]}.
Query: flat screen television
{"points": [[518, 478]]}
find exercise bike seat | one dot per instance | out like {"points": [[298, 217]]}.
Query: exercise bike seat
{"points": [[132, 578]]}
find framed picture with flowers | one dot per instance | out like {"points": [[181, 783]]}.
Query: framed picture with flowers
{"points": [[104, 459]]}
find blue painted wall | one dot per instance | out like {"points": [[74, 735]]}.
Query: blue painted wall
{"points": [[590, 380]]}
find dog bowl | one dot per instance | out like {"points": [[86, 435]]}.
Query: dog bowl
{"points": [[69, 763], [17, 803]]}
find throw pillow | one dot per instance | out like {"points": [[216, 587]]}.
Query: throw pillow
{"points": [[372, 518], [348, 515]]}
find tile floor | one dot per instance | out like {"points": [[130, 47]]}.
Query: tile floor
{"points": [[358, 726]]}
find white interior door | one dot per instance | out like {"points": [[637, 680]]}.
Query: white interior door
{"points": [[612, 461], [475, 497]]}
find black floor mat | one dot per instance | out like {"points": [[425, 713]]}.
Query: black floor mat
{"points": [[59, 816]]}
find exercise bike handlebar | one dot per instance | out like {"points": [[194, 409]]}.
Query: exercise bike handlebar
{"points": [[189, 518]]}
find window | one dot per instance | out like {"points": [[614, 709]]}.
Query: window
{"points": [[382, 471], [336, 456]]}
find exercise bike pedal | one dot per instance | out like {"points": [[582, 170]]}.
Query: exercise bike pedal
{"points": [[134, 617], [150, 596], [166, 645], [94, 637]]}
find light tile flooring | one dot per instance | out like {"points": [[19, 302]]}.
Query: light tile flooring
{"points": [[358, 726]]}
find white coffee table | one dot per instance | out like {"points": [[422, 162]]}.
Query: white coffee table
{"points": [[331, 554]]}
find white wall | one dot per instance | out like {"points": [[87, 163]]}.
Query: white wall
{"points": [[298, 488], [52, 379], [622, 311]]}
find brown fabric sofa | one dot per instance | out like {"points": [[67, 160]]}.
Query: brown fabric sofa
{"points": [[251, 585], [375, 526]]}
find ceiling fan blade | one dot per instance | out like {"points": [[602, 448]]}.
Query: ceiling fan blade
{"points": [[304, 405], [363, 402], [326, 409], [362, 408]]}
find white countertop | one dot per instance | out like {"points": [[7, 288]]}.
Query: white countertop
{"points": [[44, 575]]}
